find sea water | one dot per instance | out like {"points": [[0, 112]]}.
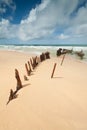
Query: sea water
{"points": [[38, 49]]}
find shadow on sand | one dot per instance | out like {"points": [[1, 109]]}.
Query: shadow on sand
{"points": [[58, 77], [14, 95]]}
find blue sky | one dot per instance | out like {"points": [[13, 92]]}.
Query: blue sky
{"points": [[43, 21]]}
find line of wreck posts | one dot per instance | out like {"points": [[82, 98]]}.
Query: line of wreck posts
{"points": [[30, 66]]}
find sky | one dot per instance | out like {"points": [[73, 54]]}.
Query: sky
{"points": [[43, 21]]}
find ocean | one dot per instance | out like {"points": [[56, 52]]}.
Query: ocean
{"points": [[38, 49]]}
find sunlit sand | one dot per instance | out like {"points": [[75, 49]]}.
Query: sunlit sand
{"points": [[44, 103]]}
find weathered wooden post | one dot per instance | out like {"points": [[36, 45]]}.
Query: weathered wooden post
{"points": [[36, 60], [31, 63], [35, 63], [47, 55], [42, 57], [25, 78], [11, 96], [27, 69], [62, 59], [19, 83], [53, 70], [33, 58], [29, 66]]}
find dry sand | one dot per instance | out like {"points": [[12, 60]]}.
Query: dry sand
{"points": [[59, 103]]}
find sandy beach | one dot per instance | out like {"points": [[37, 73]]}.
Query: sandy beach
{"points": [[43, 103]]}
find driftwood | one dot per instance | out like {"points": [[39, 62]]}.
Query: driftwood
{"points": [[53, 70], [19, 83]]}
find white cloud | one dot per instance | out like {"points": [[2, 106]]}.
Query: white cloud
{"points": [[78, 24], [4, 24], [49, 15], [80, 17], [43, 20], [82, 29], [7, 30], [77, 31], [43, 5]]}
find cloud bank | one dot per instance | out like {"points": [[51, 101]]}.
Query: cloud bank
{"points": [[62, 19]]}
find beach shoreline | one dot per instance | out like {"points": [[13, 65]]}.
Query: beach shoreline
{"points": [[44, 103], [37, 50]]}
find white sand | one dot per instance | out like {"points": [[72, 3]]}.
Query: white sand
{"points": [[59, 103]]}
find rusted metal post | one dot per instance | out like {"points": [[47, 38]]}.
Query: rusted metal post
{"points": [[53, 70], [62, 59], [19, 83]]}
